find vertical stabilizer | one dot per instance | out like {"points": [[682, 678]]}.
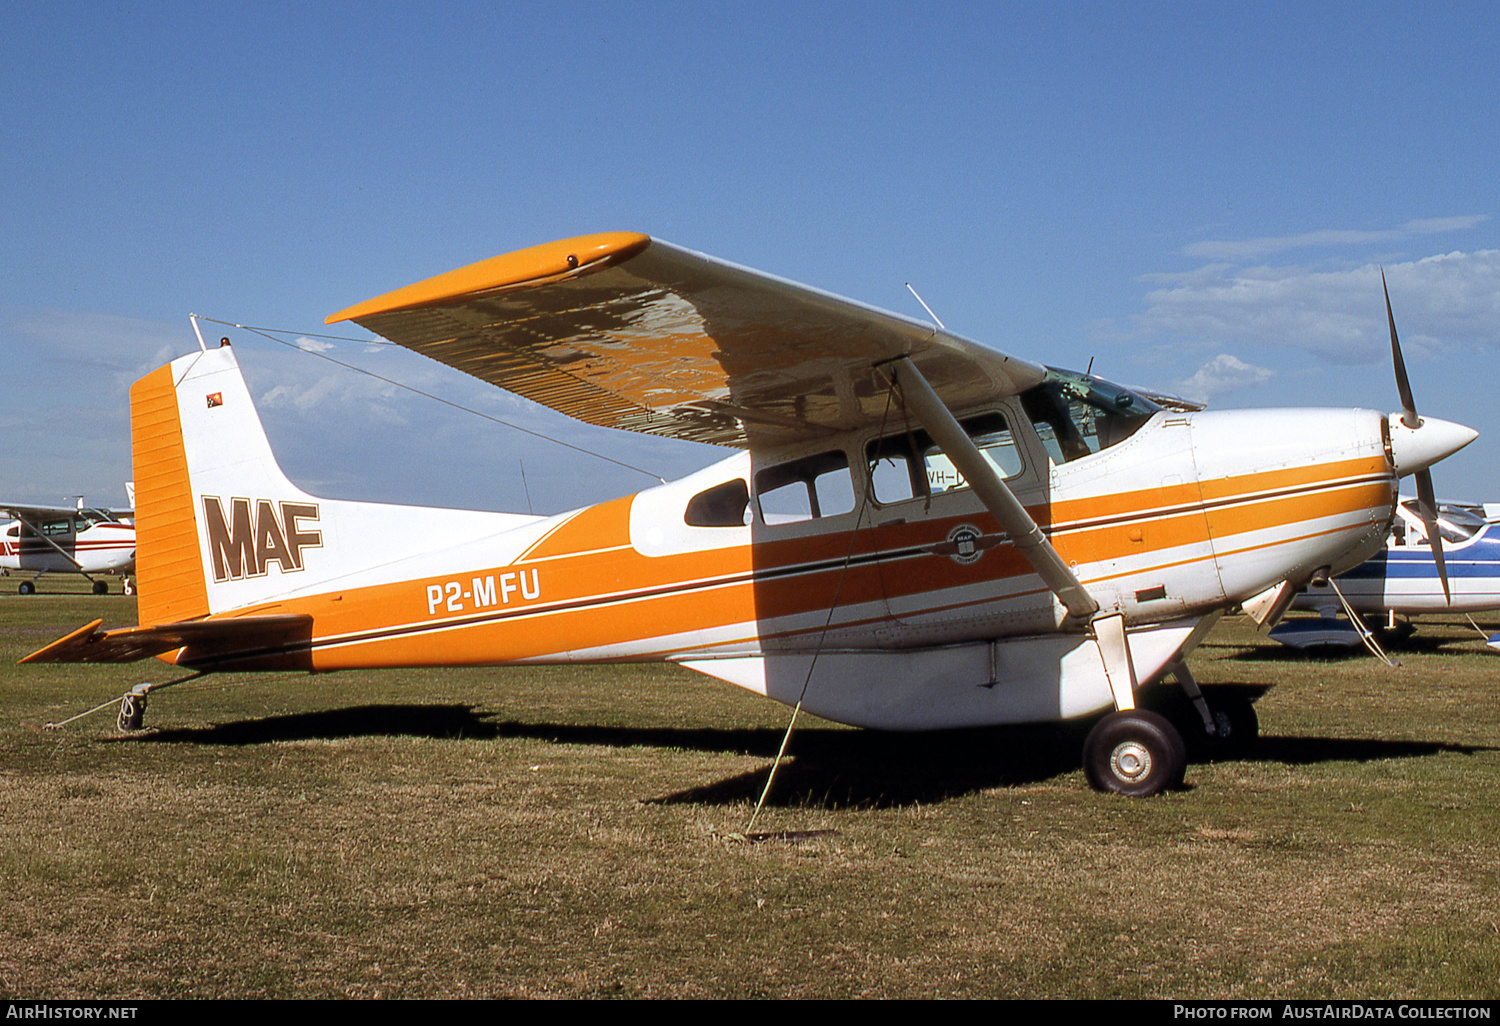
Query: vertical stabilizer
{"points": [[220, 528]]}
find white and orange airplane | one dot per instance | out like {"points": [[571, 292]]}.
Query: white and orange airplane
{"points": [[68, 540], [917, 533]]}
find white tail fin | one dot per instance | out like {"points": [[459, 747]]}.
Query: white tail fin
{"points": [[220, 527]]}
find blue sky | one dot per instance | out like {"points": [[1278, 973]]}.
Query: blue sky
{"points": [[1195, 196]]}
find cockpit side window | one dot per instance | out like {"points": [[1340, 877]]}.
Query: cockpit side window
{"points": [[910, 465], [1077, 415], [723, 505], [805, 489]]}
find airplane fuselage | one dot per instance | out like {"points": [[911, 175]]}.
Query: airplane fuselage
{"points": [[87, 547], [1403, 579], [880, 549]]}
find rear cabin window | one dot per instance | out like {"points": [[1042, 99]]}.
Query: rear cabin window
{"points": [[910, 465], [805, 489], [723, 505]]}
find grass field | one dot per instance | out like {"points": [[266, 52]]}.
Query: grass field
{"points": [[570, 832]]}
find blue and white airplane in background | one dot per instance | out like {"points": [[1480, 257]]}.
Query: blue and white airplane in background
{"points": [[1403, 580]]}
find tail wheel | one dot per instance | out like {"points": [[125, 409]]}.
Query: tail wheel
{"points": [[1136, 753]]}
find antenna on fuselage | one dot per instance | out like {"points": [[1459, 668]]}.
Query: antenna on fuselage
{"points": [[526, 486], [934, 316]]}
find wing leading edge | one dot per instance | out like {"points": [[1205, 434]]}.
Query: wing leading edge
{"points": [[626, 331]]}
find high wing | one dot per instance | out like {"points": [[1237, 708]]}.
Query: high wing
{"points": [[18, 511], [626, 331]]}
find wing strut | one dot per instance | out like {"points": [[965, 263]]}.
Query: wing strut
{"points": [[993, 491], [37, 532]]}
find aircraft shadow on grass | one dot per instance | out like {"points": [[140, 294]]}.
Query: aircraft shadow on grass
{"points": [[825, 768]]}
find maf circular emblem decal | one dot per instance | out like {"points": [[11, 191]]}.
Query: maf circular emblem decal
{"points": [[965, 539]]}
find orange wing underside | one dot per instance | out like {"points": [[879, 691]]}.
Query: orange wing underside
{"points": [[628, 332]]}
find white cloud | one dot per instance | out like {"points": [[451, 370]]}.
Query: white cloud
{"points": [[1439, 301], [313, 345], [1224, 373], [1251, 249]]}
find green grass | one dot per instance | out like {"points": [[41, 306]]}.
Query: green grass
{"points": [[569, 832]]}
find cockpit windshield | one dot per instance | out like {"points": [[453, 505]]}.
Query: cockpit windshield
{"points": [[1455, 524], [1077, 415]]}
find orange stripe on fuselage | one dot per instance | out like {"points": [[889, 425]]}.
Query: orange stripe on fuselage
{"points": [[595, 590]]}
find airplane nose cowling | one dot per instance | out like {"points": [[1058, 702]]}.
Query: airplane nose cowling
{"points": [[1414, 449]]}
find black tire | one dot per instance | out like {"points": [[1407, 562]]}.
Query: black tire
{"points": [[1137, 754], [27, 588], [101, 587], [1238, 726]]}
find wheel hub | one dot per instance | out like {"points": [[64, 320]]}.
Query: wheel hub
{"points": [[1130, 761]]}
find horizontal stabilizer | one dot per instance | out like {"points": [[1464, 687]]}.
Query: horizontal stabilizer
{"points": [[272, 641]]}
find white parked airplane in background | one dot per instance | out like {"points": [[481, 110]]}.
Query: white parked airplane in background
{"points": [[68, 540], [917, 533]]}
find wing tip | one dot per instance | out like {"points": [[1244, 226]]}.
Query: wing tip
{"points": [[536, 264]]}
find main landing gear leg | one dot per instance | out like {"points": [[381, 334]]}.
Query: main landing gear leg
{"points": [[1130, 751]]}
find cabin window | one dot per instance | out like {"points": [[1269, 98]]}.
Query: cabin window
{"points": [[1076, 415], [723, 505], [805, 489], [910, 465]]}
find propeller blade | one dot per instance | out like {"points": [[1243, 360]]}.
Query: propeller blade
{"points": [[1427, 507], [1403, 385]]}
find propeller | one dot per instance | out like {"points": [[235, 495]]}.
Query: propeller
{"points": [[1422, 453]]}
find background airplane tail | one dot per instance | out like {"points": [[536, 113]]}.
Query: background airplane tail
{"points": [[219, 526]]}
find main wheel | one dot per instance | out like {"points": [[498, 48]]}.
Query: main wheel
{"points": [[27, 588], [101, 587], [1136, 753]]}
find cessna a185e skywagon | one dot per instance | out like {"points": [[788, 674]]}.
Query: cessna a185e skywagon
{"points": [[66, 540], [917, 533]]}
